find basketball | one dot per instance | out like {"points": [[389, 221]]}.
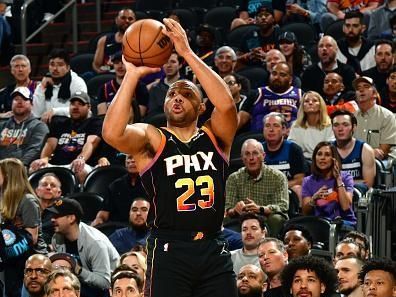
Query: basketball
{"points": [[144, 44]]}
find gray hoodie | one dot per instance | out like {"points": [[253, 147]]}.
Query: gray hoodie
{"points": [[23, 141]]}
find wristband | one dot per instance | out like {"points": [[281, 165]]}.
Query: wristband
{"points": [[342, 185]]}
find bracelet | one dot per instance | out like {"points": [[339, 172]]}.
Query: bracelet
{"points": [[81, 158], [342, 185]]}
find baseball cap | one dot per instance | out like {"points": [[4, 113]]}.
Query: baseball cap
{"points": [[24, 92], [66, 257], [206, 28], [264, 9], [67, 206], [82, 96], [366, 79], [288, 36], [117, 57]]}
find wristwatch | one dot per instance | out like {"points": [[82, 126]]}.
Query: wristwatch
{"points": [[262, 210]]}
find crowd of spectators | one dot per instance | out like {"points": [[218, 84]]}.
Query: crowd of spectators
{"points": [[313, 127]]}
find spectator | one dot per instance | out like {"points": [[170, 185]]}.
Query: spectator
{"points": [[338, 9], [379, 20], [60, 281], [257, 188], [72, 141], [52, 94], [378, 277], [158, 91], [361, 239], [376, 125], [250, 8], [126, 238], [125, 282], [63, 261], [233, 238], [357, 157], [309, 11], [348, 269], [309, 275], [278, 96], [335, 95], [22, 135], [37, 269], [234, 83], [251, 281], [388, 94], [136, 261], [109, 89], [48, 191], [111, 43], [281, 153], [312, 125], [298, 241], [257, 43], [327, 192], [20, 70], [297, 58], [253, 230], [20, 213], [95, 253], [122, 192], [273, 259], [347, 248], [313, 77], [354, 49], [384, 60]]}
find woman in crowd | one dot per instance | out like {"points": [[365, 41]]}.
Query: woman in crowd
{"points": [[20, 218], [312, 124], [327, 192], [137, 261]]}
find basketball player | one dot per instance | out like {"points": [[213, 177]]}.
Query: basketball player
{"points": [[183, 169]]}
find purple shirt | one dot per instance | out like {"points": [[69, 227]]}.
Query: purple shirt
{"points": [[329, 208]]}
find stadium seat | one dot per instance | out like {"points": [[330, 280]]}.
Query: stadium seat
{"points": [[235, 36], [155, 14], [305, 33], [100, 178], [162, 5], [240, 139], [257, 76], [94, 41], [322, 231], [220, 18], [206, 4], [188, 17], [66, 176], [96, 82], [140, 15], [82, 63], [108, 228], [335, 30], [91, 203], [294, 205], [232, 3]]}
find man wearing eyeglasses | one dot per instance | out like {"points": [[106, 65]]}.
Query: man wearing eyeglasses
{"points": [[37, 269]]}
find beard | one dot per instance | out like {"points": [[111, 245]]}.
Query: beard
{"points": [[254, 292], [352, 38], [347, 291]]}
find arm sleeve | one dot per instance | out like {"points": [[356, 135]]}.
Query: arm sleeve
{"points": [[30, 212]]}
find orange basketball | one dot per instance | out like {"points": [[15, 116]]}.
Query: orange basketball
{"points": [[145, 44]]}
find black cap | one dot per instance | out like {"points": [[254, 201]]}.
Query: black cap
{"points": [[67, 206], [82, 96], [66, 257], [206, 28], [117, 57], [265, 8], [288, 36]]}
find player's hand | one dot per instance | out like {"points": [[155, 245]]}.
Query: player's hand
{"points": [[140, 70], [178, 36]]}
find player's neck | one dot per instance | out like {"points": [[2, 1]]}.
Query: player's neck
{"points": [[184, 133]]}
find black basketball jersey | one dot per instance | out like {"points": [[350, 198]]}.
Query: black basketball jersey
{"points": [[186, 182]]}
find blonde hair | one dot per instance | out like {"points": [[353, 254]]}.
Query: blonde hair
{"points": [[140, 259], [324, 119], [15, 186]]}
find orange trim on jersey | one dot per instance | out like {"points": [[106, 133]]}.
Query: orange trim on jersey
{"points": [[157, 154], [214, 141], [174, 134]]}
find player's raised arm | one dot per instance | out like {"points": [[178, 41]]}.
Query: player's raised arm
{"points": [[116, 131], [224, 117]]}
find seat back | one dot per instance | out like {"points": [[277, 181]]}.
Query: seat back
{"points": [[321, 230], [335, 30], [188, 17], [91, 203], [99, 179], [108, 228], [294, 205], [220, 18], [235, 36], [82, 63], [257, 76], [66, 177], [240, 139]]}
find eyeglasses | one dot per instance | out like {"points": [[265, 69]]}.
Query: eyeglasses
{"points": [[231, 82], [39, 271]]}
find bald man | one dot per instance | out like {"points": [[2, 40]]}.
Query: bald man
{"points": [[251, 281], [37, 269]]}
